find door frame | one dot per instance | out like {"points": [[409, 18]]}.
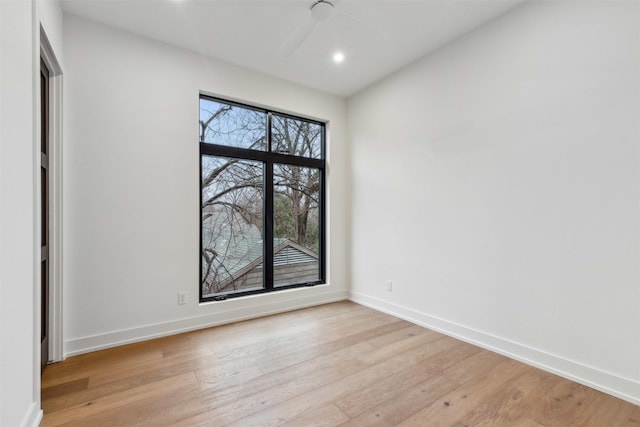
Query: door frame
{"points": [[56, 350]]}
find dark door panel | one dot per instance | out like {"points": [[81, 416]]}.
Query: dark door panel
{"points": [[44, 202]]}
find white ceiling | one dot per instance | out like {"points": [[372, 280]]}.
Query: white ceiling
{"points": [[376, 36]]}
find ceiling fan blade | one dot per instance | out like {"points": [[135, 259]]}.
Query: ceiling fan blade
{"points": [[295, 39], [362, 23]]}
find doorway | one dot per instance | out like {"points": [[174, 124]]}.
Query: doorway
{"points": [[44, 213], [48, 174]]}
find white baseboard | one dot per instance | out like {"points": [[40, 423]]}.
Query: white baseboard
{"points": [[33, 416], [257, 309], [609, 383]]}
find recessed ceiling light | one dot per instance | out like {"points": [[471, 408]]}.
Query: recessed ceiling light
{"points": [[338, 57]]}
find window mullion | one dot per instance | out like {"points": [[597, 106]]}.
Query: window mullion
{"points": [[269, 118], [268, 214], [268, 226]]}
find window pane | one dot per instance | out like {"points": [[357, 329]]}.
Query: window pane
{"points": [[232, 222], [296, 137], [296, 194], [227, 124]]}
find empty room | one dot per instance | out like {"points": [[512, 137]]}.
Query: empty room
{"points": [[320, 213]]}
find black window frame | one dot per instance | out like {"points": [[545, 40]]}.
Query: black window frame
{"points": [[269, 159]]}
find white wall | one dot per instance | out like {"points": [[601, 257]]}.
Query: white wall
{"points": [[131, 186], [17, 326], [50, 16], [19, 274], [496, 182]]}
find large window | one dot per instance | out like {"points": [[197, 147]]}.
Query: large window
{"points": [[262, 200]]}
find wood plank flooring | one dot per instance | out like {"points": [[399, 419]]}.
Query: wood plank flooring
{"points": [[336, 364]]}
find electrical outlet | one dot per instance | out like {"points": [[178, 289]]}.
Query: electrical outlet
{"points": [[389, 286], [182, 298]]}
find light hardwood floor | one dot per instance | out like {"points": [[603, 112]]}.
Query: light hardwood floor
{"points": [[336, 364]]}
